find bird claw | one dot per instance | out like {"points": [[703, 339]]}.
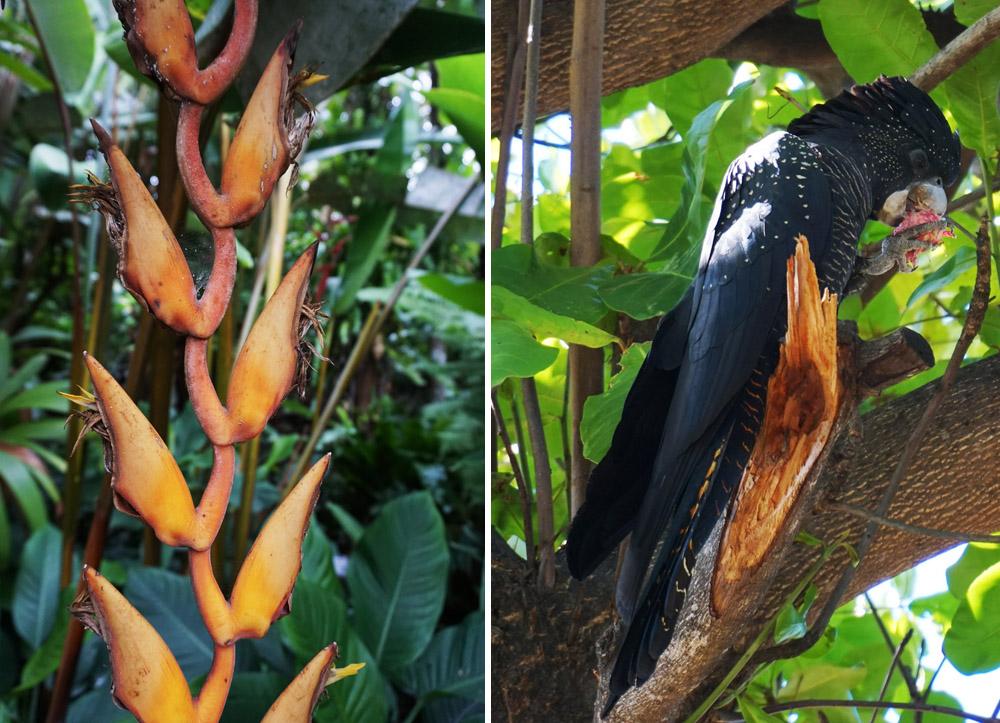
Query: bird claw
{"points": [[896, 249]]}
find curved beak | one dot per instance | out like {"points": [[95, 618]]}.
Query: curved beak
{"points": [[923, 195]]}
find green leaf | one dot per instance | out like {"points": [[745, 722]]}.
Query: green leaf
{"points": [[17, 476], [515, 353], [684, 232], [972, 644], [317, 559], [68, 34], [250, 695], [12, 383], [467, 111], [963, 260], [936, 697], [46, 657], [451, 668], [428, 33], [873, 37], [346, 520], [571, 292], [972, 100], [940, 608], [31, 77], [543, 324], [166, 601], [40, 396], [643, 296], [364, 250], [36, 589], [602, 412], [753, 713], [41, 430], [318, 619], [790, 625], [398, 576], [5, 356], [470, 294], [822, 681], [976, 559]]}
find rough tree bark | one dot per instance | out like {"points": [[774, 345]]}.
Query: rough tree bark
{"points": [[650, 39], [543, 643]]}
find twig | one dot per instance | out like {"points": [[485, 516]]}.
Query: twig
{"points": [[971, 198], [513, 76], [893, 664], [915, 529], [973, 321], [925, 707], [911, 684], [586, 68], [543, 484], [958, 52], [522, 488]]}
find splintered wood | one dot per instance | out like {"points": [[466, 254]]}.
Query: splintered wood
{"points": [[802, 402]]}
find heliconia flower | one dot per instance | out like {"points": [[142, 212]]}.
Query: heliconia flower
{"points": [[263, 588], [269, 362], [151, 265], [161, 41], [145, 480], [298, 700], [268, 137], [145, 676]]}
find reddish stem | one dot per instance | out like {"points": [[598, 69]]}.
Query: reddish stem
{"points": [[212, 604], [212, 698], [210, 207], [212, 508], [211, 415], [215, 300], [222, 71]]}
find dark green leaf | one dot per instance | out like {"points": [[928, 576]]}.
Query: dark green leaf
{"points": [[36, 589], [346, 520], [31, 77], [41, 396], [318, 619], [398, 576], [452, 665], [250, 695], [963, 260], [45, 659], [166, 601], [317, 560], [571, 292], [16, 476], [362, 252], [643, 296]]}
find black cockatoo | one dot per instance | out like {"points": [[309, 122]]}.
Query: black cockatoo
{"points": [[879, 150]]}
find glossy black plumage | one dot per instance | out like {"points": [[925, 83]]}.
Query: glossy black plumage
{"points": [[693, 412]]}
